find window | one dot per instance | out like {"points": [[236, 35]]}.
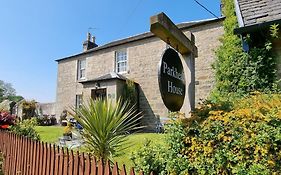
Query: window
{"points": [[81, 69], [79, 100], [121, 61]]}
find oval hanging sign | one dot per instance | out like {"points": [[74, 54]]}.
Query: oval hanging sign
{"points": [[171, 80]]}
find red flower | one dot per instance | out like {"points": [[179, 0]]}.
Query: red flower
{"points": [[4, 126], [6, 118]]}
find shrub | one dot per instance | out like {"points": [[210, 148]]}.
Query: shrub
{"points": [[29, 109], [130, 93], [237, 72], [150, 158], [46, 121], [63, 116], [53, 120], [164, 160], [245, 140], [26, 128], [241, 139], [6, 119]]}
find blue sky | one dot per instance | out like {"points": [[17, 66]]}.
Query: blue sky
{"points": [[34, 33]]}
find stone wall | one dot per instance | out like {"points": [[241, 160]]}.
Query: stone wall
{"points": [[207, 40], [143, 59], [48, 109], [67, 86]]}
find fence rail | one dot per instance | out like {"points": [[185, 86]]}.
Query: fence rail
{"points": [[24, 156]]}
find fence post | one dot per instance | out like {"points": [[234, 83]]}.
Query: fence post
{"points": [[107, 168], [56, 149], [94, 167], [71, 163], [7, 154], [100, 167], [132, 172], [66, 162], [61, 157], [115, 169], [123, 171], [76, 163], [28, 157], [34, 143], [87, 165], [48, 158], [13, 154], [81, 164]]}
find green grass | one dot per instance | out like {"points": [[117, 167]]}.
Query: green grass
{"points": [[137, 141], [51, 134]]}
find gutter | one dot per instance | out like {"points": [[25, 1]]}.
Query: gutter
{"points": [[252, 28], [238, 14]]}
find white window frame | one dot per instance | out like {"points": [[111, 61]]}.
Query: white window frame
{"points": [[81, 69], [78, 100], [119, 61]]}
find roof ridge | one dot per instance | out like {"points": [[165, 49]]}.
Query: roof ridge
{"points": [[142, 36]]}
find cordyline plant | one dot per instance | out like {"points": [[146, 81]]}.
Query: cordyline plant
{"points": [[106, 125]]}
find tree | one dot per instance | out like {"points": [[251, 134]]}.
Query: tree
{"points": [[106, 125], [8, 92], [7, 88], [1, 94], [28, 109]]}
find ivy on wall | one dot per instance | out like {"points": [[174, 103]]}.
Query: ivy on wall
{"points": [[130, 92], [238, 73]]}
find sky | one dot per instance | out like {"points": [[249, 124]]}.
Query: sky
{"points": [[34, 33]]}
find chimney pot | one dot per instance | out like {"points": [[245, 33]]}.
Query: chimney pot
{"points": [[88, 36], [90, 42], [93, 39]]}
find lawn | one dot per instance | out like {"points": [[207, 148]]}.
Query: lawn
{"points": [[136, 141], [51, 134]]}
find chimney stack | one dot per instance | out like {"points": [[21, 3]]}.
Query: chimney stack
{"points": [[88, 36], [90, 43]]}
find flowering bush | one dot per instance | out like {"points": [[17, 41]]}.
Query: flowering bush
{"points": [[6, 119], [245, 140], [26, 128], [242, 139]]}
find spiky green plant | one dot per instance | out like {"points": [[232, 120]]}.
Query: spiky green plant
{"points": [[106, 125]]}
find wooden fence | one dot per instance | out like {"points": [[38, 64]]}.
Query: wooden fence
{"points": [[23, 156]]}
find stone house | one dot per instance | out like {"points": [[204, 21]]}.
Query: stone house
{"points": [[102, 71], [255, 17]]}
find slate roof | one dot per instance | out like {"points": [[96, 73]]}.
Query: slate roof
{"points": [[109, 76], [256, 12], [182, 26]]}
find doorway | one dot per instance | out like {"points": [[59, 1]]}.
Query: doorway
{"points": [[98, 93]]}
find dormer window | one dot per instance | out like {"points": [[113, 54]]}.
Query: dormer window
{"points": [[81, 72], [121, 61]]}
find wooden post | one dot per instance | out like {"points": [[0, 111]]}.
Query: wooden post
{"points": [[167, 31]]}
